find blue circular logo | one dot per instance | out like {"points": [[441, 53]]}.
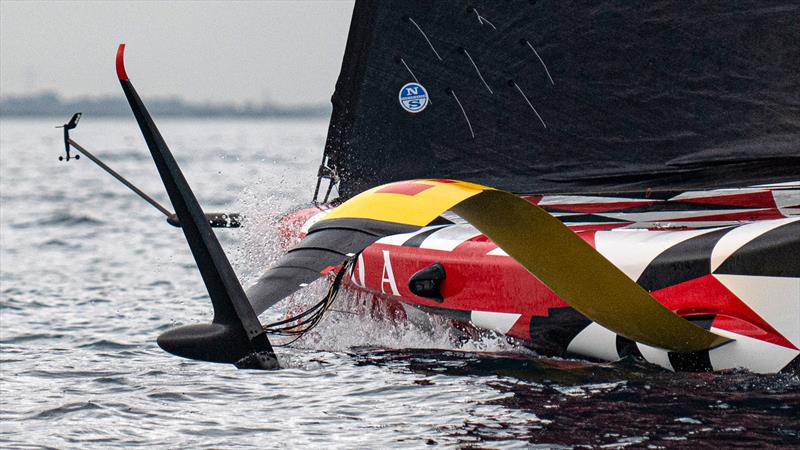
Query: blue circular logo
{"points": [[413, 97]]}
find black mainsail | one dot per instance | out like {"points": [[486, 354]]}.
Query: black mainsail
{"points": [[552, 96]]}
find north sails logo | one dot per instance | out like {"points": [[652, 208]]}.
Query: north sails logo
{"points": [[413, 97]]}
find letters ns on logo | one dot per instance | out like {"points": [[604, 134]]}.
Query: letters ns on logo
{"points": [[413, 97]]}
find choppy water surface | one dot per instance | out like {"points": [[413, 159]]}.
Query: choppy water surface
{"points": [[90, 275]]}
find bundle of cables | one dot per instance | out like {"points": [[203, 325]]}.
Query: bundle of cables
{"points": [[297, 326]]}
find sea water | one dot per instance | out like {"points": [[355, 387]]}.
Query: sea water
{"points": [[90, 275]]}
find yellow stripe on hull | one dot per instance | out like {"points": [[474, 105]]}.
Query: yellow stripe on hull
{"points": [[549, 250], [416, 202]]}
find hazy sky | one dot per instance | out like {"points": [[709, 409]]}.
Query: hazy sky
{"points": [[287, 51]]}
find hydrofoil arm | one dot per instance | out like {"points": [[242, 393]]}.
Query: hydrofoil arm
{"points": [[235, 335]]}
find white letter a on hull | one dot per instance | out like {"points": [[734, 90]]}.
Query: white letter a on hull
{"points": [[388, 275]]}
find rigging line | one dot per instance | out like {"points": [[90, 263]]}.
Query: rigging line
{"points": [[426, 38], [463, 50], [529, 103], [541, 61], [296, 318], [463, 112], [301, 324], [409, 70], [482, 19], [402, 61]]}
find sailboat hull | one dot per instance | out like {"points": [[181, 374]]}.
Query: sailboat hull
{"points": [[726, 260]]}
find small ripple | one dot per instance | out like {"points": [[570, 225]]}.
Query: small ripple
{"points": [[90, 374], [30, 337], [58, 243], [105, 344], [171, 396], [59, 219], [66, 409]]}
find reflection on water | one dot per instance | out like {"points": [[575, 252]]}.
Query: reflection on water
{"points": [[90, 275], [578, 403]]}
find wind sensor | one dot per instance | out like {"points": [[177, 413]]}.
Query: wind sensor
{"points": [[73, 122]]}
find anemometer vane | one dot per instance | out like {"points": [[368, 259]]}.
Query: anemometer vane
{"points": [[73, 122]]}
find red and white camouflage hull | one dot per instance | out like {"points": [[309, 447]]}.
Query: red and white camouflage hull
{"points": [[728, 260]]}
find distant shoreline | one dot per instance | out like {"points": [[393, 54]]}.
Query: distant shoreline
{"points": [[48, 104]]}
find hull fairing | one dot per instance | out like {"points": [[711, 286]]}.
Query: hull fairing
{"points": [[725, 259]]}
